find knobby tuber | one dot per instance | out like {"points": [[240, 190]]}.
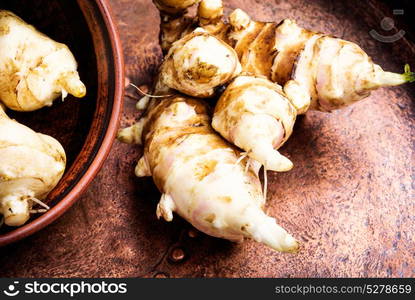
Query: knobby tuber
{"points": [[31, 164], [254, 114], [317, 71], [34, 69], [264, 74], [201, 176]]}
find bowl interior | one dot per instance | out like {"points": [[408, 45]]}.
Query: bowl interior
{"points": [[70, 121]]}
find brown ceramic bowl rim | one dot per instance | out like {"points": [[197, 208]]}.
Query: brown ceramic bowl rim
{"points": [[63, 205]]}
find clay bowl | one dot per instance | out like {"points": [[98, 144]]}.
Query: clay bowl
{"points": [[86, 127]]}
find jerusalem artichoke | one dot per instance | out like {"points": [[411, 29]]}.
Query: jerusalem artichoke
{"points": [[34, 69], [174, 24], [31, 164], [198, 63], [173, 7], [205, 180], [200, 175], [316, 71], [254, 114]]}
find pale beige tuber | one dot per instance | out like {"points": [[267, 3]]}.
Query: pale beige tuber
{"points": [[316, 71], [201, 177], [199, 62], [254, 114], [34, 69], [264, 75], [31, 164]]}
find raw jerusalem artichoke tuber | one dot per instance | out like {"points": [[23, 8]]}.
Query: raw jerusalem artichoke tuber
{"points": [[201, 176], [34, 69], [198, 63], [254, 114], [316, 71], [31, 164]]}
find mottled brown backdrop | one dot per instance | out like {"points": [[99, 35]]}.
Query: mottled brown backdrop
{"points": [[349, 199]]}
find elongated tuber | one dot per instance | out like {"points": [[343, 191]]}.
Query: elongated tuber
{"points": [[201, 176], [254, 114], [34, 69], [31, 164], [316, 71]]}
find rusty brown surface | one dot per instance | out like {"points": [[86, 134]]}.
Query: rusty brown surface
{"points": [[349, 199]]}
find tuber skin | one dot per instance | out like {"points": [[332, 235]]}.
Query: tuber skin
{"points": [[201, 176], [31, 164], [198, 63], [254, 114], [34, 69]]}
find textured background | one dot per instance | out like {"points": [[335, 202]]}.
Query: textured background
{"points": [[349, 199]]}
